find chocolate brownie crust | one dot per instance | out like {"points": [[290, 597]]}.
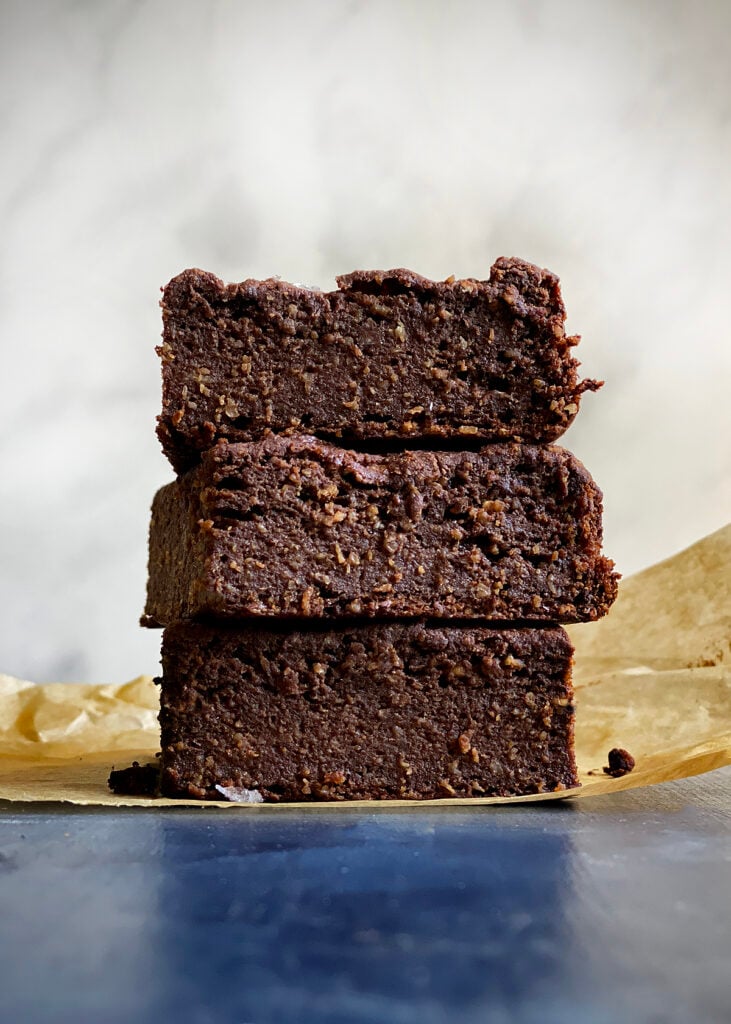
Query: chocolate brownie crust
{"points": [[296, 527], [388, 355], [377, 712]]}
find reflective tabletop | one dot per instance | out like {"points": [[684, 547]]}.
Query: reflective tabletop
{"points": [[597, 910]]}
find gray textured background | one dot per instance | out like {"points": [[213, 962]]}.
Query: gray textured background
{"points": [[307, 139]]}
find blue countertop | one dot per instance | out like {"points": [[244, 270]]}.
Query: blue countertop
{"points": [[600, 910]]}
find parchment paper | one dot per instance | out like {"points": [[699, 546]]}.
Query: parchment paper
{"points": [[653, 677]]}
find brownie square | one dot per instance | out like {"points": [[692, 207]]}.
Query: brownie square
{"points": [[294, 527], [387, 355], [384, 711]]}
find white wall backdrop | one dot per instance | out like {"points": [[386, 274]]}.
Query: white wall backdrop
{"points": [[305, 139]]}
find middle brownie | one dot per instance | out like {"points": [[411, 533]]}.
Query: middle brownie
{"points": [[296, 527]]}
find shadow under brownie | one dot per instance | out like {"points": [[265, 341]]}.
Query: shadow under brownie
{"points": [[382, 711]]}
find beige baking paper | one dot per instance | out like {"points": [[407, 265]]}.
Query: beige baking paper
{"points": [[653, 677]]}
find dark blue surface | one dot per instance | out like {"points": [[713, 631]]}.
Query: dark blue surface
{"points": [[602, 910]]}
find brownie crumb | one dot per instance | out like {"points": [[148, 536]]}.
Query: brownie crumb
{"points": [[137, 780], [620, 763]]}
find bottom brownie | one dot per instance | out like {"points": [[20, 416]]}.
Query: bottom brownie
{"points": [[369, 712]]}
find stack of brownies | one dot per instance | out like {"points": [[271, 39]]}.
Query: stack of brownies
{"points": [[363, 562]]}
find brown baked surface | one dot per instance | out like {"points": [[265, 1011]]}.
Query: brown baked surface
{"points": [[377, 712], [388, 355], [296, 527]]}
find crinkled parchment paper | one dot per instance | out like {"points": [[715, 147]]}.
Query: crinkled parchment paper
{"points": [[653, 677]]}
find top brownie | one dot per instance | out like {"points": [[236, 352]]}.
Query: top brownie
{"points": [[388, 355]]}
